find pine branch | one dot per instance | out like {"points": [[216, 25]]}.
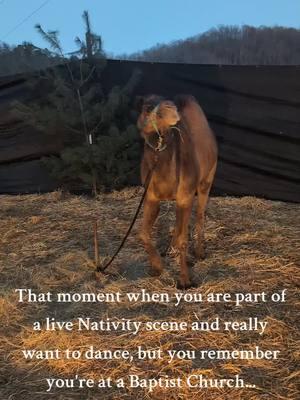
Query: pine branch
{"points": [[86, 19], [51, 38]]}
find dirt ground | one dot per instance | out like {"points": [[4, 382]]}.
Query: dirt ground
{"points": [[46, 243]]}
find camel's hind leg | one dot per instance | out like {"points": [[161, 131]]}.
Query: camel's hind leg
{"points": [[202, 199], [151, 210]]}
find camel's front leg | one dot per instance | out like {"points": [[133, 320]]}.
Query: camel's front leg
{"points": [[151, 210], [183, 212]]}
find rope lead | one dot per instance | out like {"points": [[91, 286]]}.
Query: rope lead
{"points": [[146, 186]]}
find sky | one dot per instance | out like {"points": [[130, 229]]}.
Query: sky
{"points": [[127, 26]]}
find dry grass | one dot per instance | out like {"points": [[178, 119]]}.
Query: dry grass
{"points": [[46, 243]]}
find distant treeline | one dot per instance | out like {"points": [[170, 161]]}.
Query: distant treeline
{"points": [[233, 45], [25, 58]]}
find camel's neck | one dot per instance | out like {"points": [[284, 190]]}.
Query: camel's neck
{"points": [[159, 142], [163, 151]]}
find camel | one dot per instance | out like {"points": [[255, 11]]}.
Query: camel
{"points": [[179, 160]]}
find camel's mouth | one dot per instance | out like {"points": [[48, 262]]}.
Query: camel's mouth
{"points": [[158, 116]]}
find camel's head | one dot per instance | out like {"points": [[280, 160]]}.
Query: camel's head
{"points": [[157, 114]]}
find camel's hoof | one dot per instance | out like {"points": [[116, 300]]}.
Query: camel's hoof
{"points": [[173, 252], [165, 253], [155, 272], [185, 285], [200, 254]]}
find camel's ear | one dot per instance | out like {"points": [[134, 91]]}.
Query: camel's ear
{"points": [[138, 103]]}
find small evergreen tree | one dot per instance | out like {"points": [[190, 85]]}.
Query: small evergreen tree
{"points": [[101, 144]]}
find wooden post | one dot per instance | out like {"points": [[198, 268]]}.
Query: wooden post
{"points": [[96, 247], [95, 191]]}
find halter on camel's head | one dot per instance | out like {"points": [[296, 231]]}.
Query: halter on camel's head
{"points": [[158, 116]]}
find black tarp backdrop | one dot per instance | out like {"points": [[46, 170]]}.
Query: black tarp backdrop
{"points": [[254, 112]]}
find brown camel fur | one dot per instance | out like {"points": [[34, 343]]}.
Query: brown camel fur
{"points": [[181, 148]]}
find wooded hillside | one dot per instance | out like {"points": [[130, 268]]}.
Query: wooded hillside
{"points": [[233, 45]]}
